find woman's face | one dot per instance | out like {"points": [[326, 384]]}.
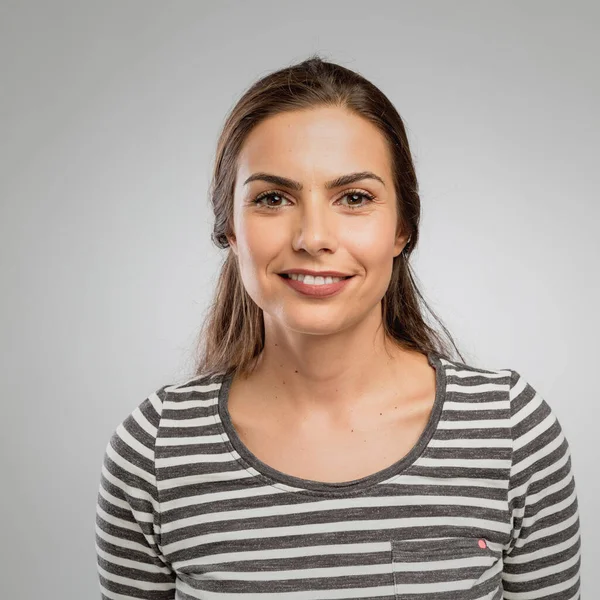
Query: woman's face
{"points": [[315, 227]]}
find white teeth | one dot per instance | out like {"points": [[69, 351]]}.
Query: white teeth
{"points": [[310, 280]]}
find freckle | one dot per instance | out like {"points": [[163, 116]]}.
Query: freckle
{"points": [[380, 413], [395, 407], [352, 430], [296, 371]]}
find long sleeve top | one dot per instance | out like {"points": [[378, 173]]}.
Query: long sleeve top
{"points": [[484, 505]]}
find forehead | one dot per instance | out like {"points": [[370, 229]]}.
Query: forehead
{"points": [[324, 141]]}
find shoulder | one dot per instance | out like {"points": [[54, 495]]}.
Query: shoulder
{"points": [[516, 406], [149, 414], [467, 382], [534, 423], [131, 444], [520, 390], [496, 383]]}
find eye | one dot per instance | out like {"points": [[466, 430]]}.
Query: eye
{"points": [[364, 195], [278, 195], [267, 196]]}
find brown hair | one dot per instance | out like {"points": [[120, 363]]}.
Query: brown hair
{"points": [[232, 335]]}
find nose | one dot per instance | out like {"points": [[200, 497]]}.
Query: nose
{"points": [[315, 229]]}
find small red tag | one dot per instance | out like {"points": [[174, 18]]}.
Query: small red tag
{"points": [[482, 544]]}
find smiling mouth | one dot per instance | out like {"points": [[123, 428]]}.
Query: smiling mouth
{"points": [[287, 276]]}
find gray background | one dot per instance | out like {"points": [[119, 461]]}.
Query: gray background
{"points": [[109, 116]]}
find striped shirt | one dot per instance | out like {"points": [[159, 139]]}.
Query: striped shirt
{"points": [[483, 506]]}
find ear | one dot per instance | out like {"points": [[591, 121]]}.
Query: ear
{"points": [[232, 243], [401, 241]]}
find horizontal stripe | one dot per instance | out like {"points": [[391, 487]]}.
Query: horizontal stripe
{"points": [[484, 504]]}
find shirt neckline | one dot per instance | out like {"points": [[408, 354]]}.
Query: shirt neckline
{"points": [[274, 476]]}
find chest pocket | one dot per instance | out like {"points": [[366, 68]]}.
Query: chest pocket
{"points": [[457, 568]]}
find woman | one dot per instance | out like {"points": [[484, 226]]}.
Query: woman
{"points": [[328, 445]]}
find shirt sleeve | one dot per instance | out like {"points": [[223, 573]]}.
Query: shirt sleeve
{"points": [[129, 560], [543, 557]]}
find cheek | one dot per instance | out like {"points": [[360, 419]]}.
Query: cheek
{"points": [[372, 243], [259, 240]]}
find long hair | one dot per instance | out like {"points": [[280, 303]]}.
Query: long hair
{"points": [[232, 335]]}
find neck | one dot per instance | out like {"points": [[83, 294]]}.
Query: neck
{"points": [[333, 375]]}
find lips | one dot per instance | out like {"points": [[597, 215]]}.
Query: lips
{"points": [[322, 291], [287, 275]]}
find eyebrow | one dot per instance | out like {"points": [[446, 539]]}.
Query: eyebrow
{"points": [[297, 186]]}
